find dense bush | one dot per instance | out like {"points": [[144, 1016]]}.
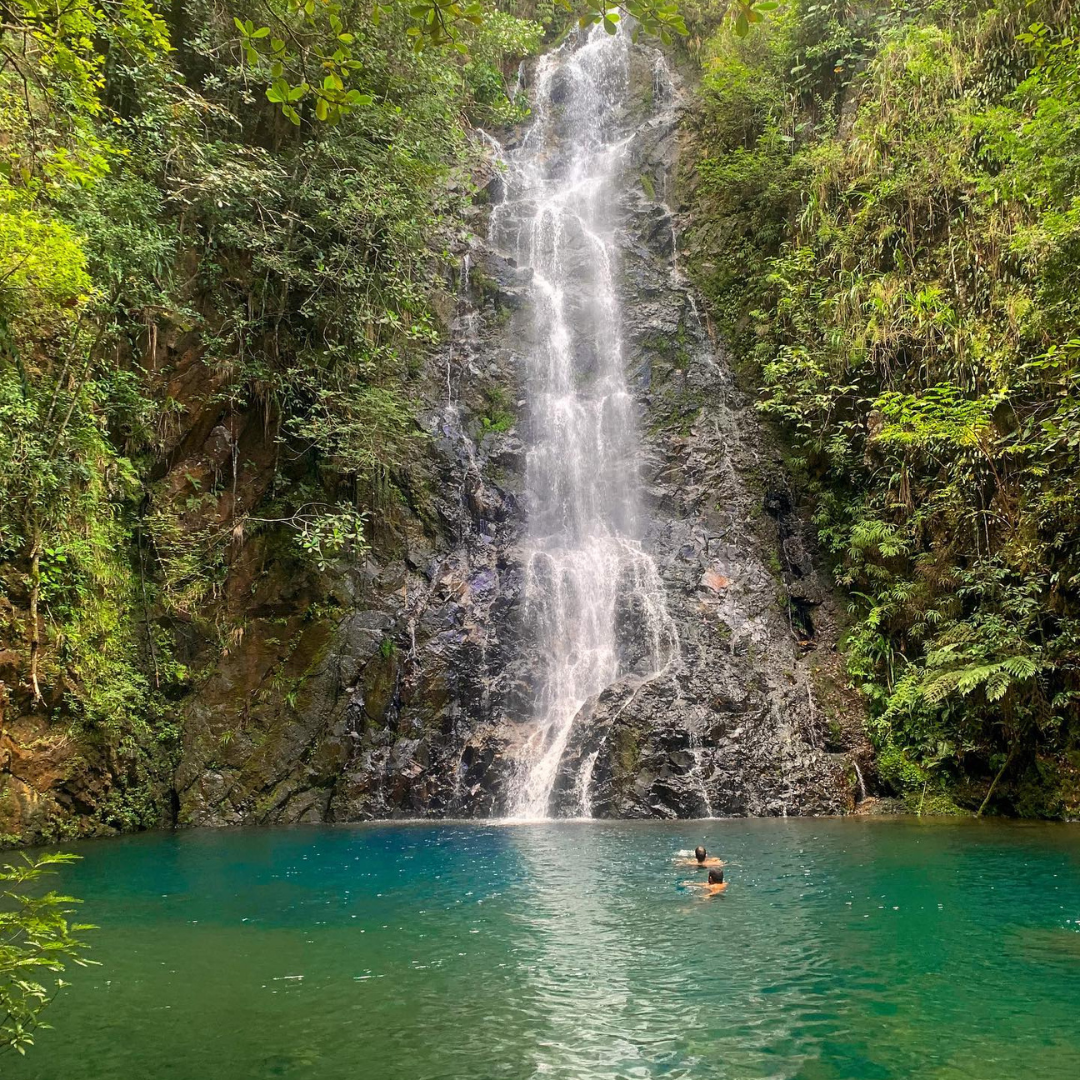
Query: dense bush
{"points": [[887, 224], [156, 186]]}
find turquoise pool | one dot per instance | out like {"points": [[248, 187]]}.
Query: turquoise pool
{"points": [[861, 949]]}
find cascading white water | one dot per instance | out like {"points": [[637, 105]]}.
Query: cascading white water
{"points": [[594, 600]]}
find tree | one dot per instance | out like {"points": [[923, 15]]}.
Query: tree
{"points": [[36, 941]]}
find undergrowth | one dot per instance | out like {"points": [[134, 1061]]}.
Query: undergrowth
{"points": [[887, 227]]}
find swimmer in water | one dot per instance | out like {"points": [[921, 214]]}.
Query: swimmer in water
{"points": [[701, 858], [714, 885]]}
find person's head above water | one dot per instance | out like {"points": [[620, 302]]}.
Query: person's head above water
{"points": [[700, 853], [716, 877]]}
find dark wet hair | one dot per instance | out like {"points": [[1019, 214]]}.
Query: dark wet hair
{"points": [[716, 877], [700, 853]]}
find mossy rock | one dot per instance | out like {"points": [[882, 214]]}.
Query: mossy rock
{"points": [[379, 682]]}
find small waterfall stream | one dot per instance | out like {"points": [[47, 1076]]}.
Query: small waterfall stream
{"points": [[594, 601]]}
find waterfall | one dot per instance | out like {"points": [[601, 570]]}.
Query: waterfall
{"points": [[594, 600], [584, 785]]}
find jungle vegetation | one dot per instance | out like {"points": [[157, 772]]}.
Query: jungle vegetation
{"points": [[243, 211], [254, 206], [887, 226], [257, 196]]}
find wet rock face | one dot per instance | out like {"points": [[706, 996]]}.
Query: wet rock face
{"points": [[734, 726], [396, 707], [411, 698]]}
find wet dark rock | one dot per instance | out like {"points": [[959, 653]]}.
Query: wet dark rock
{"points": [[495, 188], [558, 90], [410, 698]]}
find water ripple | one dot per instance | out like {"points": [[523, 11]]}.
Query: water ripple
{"points": [[841, 949]]}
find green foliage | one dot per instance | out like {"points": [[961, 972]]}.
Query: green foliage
{"points": [[310, 53], [887, 200], [175, 248], [61, 477], [326, 535], [499, 416], [661, 19], [36, 941], [501, 421], [305, 52], [54, 65], [744, 13]]}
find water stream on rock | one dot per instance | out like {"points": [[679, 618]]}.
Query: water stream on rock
{"points": [[594, 600]]}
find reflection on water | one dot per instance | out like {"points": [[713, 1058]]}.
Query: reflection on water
{"points": [[842, 949]]}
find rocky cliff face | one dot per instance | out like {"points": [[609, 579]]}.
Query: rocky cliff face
{"points": [[399, 685], [746, 721], [413, 700]]}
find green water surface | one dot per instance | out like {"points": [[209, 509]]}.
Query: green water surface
{"points": [[853, 949]]}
